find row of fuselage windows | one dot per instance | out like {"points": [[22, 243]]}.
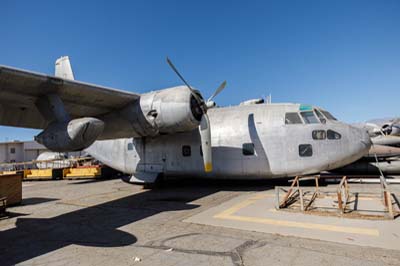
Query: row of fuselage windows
{"points": [[309, 117], [322, 134], [305, 150], [247, 150]]}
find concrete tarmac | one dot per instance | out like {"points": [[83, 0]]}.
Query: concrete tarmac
{"points": [[257, 213], [114, 223]]}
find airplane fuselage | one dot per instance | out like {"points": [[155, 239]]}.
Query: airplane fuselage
{"points": [[249, 141], [163, 132]]}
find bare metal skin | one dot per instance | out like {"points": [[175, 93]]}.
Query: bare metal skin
{"points": [[276, 146], [383, 131], [161, 132]]}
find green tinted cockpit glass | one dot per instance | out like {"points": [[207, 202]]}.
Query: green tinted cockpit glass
{"points": [[309, 117], [305, 107]]}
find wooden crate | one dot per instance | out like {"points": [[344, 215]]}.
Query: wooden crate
{"points": [[11, 188]]}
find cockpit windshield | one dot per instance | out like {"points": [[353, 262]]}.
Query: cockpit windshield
{"points": [[292, 118], [328, 115], [320, 116], [309, 117]]}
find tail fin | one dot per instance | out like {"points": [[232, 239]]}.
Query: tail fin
{"points": [[63, 68]]}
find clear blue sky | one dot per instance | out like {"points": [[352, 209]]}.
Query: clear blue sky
{"points": [[341, 55]]}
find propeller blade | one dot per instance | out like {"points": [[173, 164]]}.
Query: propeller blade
{"points": [[218, 90], [179, 75], [205, 135]]}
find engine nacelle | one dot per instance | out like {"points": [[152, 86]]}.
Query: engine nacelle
{"points": [[391, 129], [74, 135], [171, 110], [395, 129]]}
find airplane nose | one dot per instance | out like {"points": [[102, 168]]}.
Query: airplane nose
{"points": [[356, 145], [365, 140]]}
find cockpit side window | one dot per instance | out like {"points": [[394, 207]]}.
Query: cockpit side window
{"points": [[328, 115], [309, 117], [292, 118], [305, 150], [319, 134], [320, 116], [333, 134]]}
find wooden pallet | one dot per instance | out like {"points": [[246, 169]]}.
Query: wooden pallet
{"points": [[11, 188]]}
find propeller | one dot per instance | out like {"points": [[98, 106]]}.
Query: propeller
{"points": [[205, 136], [393, 127], [217, 91], [204, 127]]}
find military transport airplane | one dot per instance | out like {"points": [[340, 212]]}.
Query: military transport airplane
{"points": [[384, 131], [383, 126], [174, 131]]}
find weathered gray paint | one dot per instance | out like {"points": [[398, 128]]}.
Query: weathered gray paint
{"points": [[73, 135], [172, 109], [140, 122], [386, 140], [389, 167], [276, 147], [382, 126], [20, 90]]}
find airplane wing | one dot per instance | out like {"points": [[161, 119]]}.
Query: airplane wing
{"points": [[20, 89]]}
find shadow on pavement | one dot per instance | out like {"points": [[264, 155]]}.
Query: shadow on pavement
{"points": [[98, 225], [36, 200]]}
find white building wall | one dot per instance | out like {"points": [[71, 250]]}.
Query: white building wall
{"points": [[32, 150], [31, 155], [19, 151], [25, 151], [3, 152], [15, 152]]}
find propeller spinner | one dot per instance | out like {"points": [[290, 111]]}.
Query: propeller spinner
{"points": [[204, 127]]}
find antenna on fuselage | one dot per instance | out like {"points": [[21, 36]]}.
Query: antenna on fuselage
{"points": [[268, 99]]}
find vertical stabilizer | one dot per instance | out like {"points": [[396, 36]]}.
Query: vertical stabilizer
{"points": [[63, 68]]}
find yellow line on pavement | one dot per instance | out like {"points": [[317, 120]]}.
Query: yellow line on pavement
{"points": [[229, 215]]}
